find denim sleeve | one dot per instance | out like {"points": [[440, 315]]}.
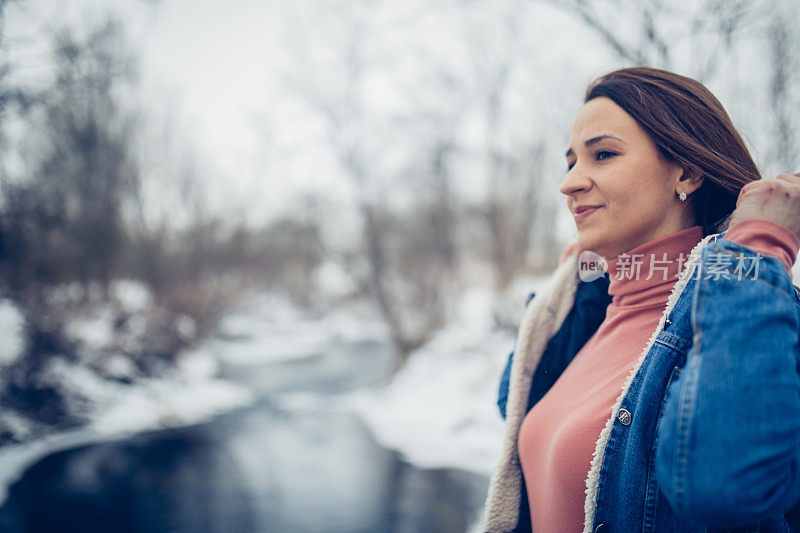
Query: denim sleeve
{"points": [[502, 393], [728, 449]]}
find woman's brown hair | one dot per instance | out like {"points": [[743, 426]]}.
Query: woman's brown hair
{"points": [[690, 127]]}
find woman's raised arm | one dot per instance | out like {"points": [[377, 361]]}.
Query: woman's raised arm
{"points": [[728, 449]]}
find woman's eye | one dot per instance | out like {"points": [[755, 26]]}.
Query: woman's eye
{"points": [[601, 155]]}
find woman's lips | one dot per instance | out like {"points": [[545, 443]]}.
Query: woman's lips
{"points": [[579, 217]]}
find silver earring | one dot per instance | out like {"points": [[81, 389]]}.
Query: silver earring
{"points": [[683, 196]]}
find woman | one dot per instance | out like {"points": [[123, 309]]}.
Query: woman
{"points": [[665, 395]]}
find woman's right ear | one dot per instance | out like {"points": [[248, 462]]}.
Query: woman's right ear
{"points": [[692, 179]]}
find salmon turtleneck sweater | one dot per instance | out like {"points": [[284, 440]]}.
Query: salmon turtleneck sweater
{"points": [[558, 435]]}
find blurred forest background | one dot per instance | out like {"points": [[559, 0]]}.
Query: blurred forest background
{"points": [[399, 153]]}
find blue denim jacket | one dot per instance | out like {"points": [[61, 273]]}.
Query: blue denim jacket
{"points": [[707, 435]]}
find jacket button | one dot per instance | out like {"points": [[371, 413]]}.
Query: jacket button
{"points": [[624, 417], [602, 528]]}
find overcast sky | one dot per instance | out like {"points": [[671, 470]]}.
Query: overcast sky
{"points": [[203, 63], [217, 71]]}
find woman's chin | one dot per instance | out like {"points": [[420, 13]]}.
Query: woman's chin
{"points": [[587, 244]]}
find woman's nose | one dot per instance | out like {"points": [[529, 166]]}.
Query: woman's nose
{"points": [[575, 180]]}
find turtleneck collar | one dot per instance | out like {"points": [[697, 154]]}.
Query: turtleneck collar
{"points": [[644, 275]]}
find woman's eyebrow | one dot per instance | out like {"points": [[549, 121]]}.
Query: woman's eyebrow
{"points": [[593, 140]]}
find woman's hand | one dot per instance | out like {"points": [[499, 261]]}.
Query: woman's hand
{"points": [[777, 200]]}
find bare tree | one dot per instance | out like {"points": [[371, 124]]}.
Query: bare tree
{"points": [[63, 219], [513, 174], [13, 94], [343, 111], [647, 33], [782, 88]]}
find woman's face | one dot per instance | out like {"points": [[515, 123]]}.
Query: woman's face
{"points": [[614, 165]]}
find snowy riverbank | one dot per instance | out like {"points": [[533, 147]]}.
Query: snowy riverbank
{"points": [[438, 411], [441, 410], [188, 394]]}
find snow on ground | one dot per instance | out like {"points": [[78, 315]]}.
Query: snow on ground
{"points": [[440, 410], [185, 394], [268, 329], [12, 334], [189, 394]]}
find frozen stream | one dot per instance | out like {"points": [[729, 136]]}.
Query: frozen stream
{"points": [[277, 465]]}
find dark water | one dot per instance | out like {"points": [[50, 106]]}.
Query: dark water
{"points": [[258, 469]]}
